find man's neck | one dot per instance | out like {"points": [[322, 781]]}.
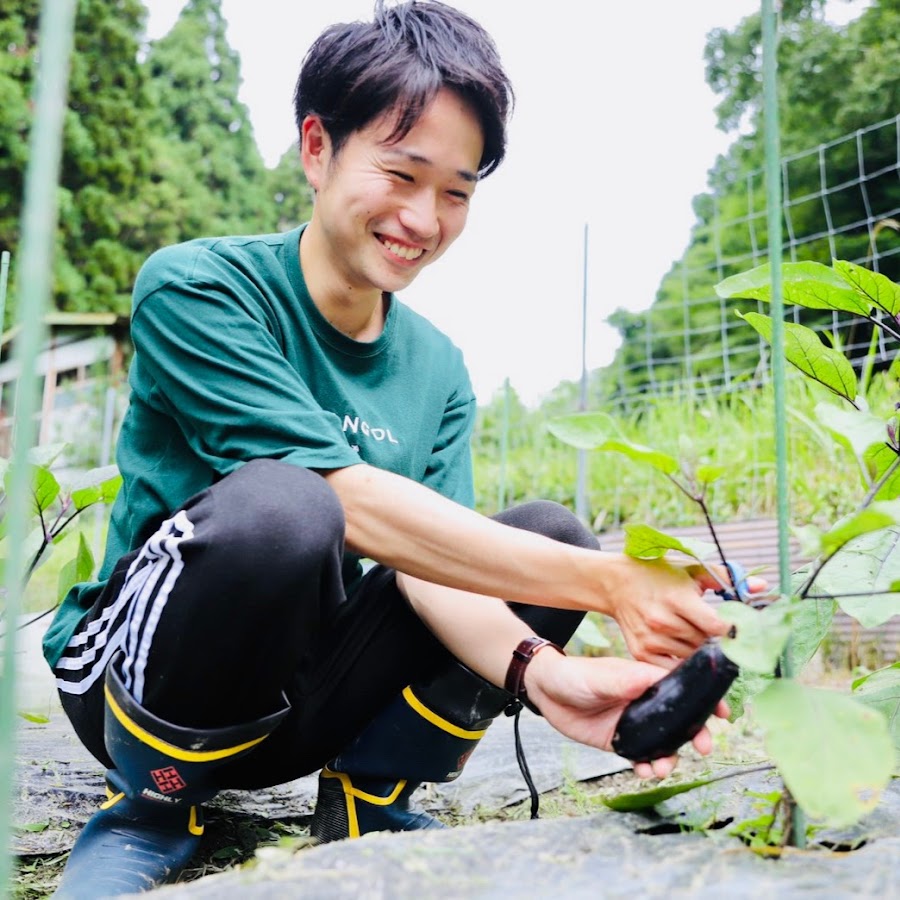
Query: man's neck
{"points": [[357, 315]]}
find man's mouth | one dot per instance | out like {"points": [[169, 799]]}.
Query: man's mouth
{"points": [[402, 250]]}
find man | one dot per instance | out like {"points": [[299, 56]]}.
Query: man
{"points": [[290, 417]]}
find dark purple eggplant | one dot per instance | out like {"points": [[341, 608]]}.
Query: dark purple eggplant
{"points": [[670, 712]]}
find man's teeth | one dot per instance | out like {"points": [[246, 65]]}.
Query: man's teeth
{"points": [[403, 252]]}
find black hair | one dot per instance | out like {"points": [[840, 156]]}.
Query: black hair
{"points": [[356, 72]]}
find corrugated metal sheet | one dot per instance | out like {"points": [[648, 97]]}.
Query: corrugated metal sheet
{"points": [[754, 543]]}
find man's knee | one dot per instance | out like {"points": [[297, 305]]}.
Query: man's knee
{"points": [[275, 514], [553, 520]]}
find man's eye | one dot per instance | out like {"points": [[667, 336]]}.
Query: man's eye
{"points": [[459, 195], [403, 176]]}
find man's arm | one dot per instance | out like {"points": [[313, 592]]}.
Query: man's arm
{"points": [[416, 531], [581, 698]]}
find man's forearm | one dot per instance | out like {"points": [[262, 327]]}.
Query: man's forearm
{"points": [[413, 529], [480, 631]]}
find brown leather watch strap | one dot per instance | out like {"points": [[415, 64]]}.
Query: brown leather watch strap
{"points": [[522, 655]]}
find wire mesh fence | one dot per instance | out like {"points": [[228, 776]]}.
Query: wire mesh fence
{"points": [[841, 199]]}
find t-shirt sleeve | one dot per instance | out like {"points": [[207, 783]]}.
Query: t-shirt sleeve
{"points": [[214, 365], [449, 469]]}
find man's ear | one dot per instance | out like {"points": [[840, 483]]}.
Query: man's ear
{"points": [[315, 150]]}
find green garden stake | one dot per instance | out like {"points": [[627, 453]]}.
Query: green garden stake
{"points": [[774, 198], [35, 267]]}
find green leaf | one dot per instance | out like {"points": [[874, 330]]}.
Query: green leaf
{"points": [[834, 753], [644, 542], [871, 563], [96, 486], [38, 720], [761, 635], [810, 625], [804, 349], [47, 454], [78, 569], [654, 796], [756, 284], [872, 518], [855, 428], [44, 488], [586, 430], [881, 690], [590, 635], [818, 295], [707, 474], [662, 462], [875, 288], [809, 537], [743, 689], [35, 827], [878, 459]]}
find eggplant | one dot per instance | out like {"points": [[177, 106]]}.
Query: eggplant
{"points": [[670, 712]]}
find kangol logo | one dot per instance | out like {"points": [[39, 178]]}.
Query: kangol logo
{"points": [[355, 425]]}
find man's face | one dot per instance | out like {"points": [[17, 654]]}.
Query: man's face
{"points": [[385, 210]]}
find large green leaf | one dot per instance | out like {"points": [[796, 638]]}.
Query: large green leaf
{"points": [[873, 518], [644, 542], [756, 284], [881, 690], [834, 754], [818, 295], [586, 430], [761, 635], [78, 569], [810, 623], [96, 486], [662, 462], [856, 428], [874, 288], [653, 796], [804, 349], [870, 565]]}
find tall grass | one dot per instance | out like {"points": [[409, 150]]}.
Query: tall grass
{"points": [[735, 430]]}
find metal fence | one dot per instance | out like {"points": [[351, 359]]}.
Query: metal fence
{"points": [[840, 199]]}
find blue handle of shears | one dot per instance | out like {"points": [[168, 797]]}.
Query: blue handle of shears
{"points": [[740, 591]]}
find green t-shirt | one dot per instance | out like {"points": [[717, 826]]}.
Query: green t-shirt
{"points": [[233, 362]]}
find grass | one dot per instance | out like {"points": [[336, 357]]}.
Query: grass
{"points": [[734, 430]]}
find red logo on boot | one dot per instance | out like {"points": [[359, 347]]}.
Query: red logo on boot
{"points": [[167, 780]]}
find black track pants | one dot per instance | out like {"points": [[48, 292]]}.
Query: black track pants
{"points": [[238, 598]]}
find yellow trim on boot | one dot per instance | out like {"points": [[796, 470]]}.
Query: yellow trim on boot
{"points": [[193, 826], [437, 720], [170, 749], [352, 794], [112, 799]]}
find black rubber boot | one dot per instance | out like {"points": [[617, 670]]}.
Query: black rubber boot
{"points": [[149, 829], [425, 734]]}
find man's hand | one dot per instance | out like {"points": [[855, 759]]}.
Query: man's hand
{"points": [[661, 611], [584, 698]]}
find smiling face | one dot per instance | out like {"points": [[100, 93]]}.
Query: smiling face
{"points": [[384, 210]]}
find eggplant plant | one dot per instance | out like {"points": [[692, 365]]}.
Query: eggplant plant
{"points": [[836, 752], [54, 508]]}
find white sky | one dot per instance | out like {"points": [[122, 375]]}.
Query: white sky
{"points": [[613, 128]]}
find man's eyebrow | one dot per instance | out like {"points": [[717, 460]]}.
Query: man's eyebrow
{"points": [[464, 174]]}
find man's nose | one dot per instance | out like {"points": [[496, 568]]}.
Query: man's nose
{"points": [[420, 216]]}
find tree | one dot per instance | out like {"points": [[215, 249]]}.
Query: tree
{"points": [[208, 176], [105, 157]]}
